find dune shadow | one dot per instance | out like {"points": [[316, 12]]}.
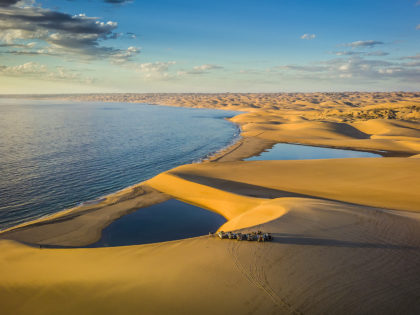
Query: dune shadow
{"points": [[239, 188], [295, 239]]}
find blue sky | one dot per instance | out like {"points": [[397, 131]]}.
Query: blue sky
{"points": [[63, 46]]}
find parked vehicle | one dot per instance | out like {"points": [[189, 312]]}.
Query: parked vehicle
{"points": [[222, 235], [240, 236], [253, 236], [231, 235]]}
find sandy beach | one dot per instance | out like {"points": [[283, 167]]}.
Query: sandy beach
{"points": [[346, 231]]}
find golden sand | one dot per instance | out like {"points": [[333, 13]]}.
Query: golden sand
{"points": [[346, 232]]}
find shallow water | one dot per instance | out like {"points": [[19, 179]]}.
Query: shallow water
{"points": [[166, 221], [286, 151], [55, 155]]}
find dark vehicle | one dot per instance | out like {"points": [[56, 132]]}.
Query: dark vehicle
{"points": [[240, 236], [222, 235], [231, 235], [253, 236]]}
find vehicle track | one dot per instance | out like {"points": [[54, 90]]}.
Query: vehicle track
{"points": [[256, 275]]}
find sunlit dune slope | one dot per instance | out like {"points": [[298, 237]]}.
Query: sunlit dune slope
{"points": [[379, 182]]}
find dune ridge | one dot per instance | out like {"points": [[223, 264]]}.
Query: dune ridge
{"points": [[346, 232]]}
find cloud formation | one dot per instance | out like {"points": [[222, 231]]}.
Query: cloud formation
{"points": [[354, 68], [60, 33], [6, 3], [197, 70], [308, 36], [28, 68], [377, 53], [40, 71], [155, 70], [364, 43]]}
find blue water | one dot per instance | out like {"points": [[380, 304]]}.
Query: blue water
{"points": [[55, 155], [166, 221], [285, 151]]}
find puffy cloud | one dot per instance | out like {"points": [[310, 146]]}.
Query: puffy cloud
{"points": [[364, 43], [28, 68], [156, 70], [308, 36], [36, 70], [418, 27], [32, 19], [60, 33], [125, 55]]}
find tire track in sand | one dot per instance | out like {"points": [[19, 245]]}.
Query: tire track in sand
{"points": [[256, 275]]}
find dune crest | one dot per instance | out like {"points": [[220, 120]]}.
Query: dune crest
{"points": [[346, 231]]}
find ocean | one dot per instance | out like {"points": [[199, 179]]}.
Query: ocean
{"points": [[57, 154]]}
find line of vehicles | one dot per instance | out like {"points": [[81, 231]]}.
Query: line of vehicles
{"points": [[253, 236]]}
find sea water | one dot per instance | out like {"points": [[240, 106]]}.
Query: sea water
{"points": [[57, 154]]}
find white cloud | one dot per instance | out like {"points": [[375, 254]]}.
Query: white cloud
{"points": [[28, 68], [155, 70], [354, 68], [59, 33], [125, 55], [40, 71], [364, 43], [207, 67], [418, 27], [308, 36], [202, 69]]}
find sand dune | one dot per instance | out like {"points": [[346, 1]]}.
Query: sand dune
{"points": [[327, 257], [393, 136], [346, 232], [380, 182]]}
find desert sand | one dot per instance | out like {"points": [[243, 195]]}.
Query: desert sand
{"points": [[346, 232]]}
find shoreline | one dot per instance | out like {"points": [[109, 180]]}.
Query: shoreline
{"points": [[336, 247], [140, 192], [115, 205], [106, 209]]}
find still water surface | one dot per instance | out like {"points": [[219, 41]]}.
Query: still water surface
{"points": [[286, 151], [55, 155], [166, 221]]}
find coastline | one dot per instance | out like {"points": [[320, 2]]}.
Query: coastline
{"points": [[346, 233], [83, 224]]}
